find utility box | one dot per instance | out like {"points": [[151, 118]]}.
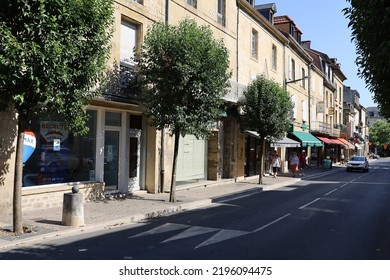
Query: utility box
{"points": [[327, 164]]}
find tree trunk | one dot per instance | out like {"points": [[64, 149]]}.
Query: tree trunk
{"points": [[261, 159], [17, 199], [172, 194]]}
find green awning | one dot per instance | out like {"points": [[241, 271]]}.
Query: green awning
{"points": [[307, 139]]}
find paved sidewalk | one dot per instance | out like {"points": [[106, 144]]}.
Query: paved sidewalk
{"points": [[123, 210]]}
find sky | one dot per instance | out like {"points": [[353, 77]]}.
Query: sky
{"points": [[323, 23]]}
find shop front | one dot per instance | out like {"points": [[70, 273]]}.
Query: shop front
{"points": [[111, 152], [312, 145]]}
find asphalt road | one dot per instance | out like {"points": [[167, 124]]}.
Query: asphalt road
{"points": [[345, 215]]}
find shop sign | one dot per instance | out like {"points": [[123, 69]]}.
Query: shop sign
{"points": [[29, 145]]}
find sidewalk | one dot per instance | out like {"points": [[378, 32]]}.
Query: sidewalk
{"points": [[123, 210]]}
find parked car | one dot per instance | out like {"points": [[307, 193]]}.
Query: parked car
{"points": [[358, 163]]}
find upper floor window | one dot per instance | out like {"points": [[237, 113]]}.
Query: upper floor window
{"points": [[254, 43], [193, 3], [252, 2], [274, 57], [303, 81], [291, 72], [221, 14], [128, 43]]}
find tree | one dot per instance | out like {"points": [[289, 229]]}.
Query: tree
{"points": [[184, 74], [52, 56], [368, 21], [267, 110], [380, 134]]}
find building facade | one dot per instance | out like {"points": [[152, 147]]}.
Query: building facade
{"points": [[123, 154]]}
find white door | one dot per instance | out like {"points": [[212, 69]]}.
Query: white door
{"points": [[191, 163]]}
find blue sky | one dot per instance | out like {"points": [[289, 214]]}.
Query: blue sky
{"points": [[323, 23]]}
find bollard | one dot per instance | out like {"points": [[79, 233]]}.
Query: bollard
{"points": [[73, 208]]}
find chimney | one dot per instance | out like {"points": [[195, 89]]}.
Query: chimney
{"points": [[306, 44]]}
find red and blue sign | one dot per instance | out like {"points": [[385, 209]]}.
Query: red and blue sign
{"points": [[29, 145]]}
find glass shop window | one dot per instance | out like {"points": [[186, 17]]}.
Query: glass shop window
{"points": [[60, 156]]}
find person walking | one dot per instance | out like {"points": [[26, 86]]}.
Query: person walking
{"points": [[294, 161], [276, 163], [302, 162]]}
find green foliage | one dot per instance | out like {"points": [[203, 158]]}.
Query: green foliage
{"points": [[184, 74], [380, 134], [369, 21], [52, 54], [267, 107]]}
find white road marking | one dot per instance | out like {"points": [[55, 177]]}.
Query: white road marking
{"points": [[309, 203], [331, 192], [271, 223]]}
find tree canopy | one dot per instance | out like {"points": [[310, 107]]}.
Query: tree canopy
{"points": [[267, 110], [184, 73], [369, 21], [52, 53], [52, 56], [380, 134]]}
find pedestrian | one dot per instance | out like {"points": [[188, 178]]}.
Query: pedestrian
{"points": [[302, 162], [294, 161], [342, 158], [275, 162]]}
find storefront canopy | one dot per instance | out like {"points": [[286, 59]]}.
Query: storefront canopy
{"points": [[346, 143], [326, 140], [331, 141], [307, 139], [285, 142]]}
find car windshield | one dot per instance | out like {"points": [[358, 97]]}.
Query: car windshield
{"points": [[357, 158]]}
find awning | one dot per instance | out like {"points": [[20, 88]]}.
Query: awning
{"points": [[307, 139], [252, 133], [338, 142], [347, 143], [326, 140], [285, 142]]}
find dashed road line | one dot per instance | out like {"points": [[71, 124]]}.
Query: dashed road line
{"points": [[311, 202], [271, 223]]}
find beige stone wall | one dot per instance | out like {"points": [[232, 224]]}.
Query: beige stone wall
{"points": [[41, 198], [206, 14], [296, 89], [8, 126], [249, 66]]}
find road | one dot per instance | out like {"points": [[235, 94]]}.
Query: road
{"points": [[345, 215]]}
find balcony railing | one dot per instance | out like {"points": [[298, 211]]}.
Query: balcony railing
{"points": [[321, 127], [235, 93]]}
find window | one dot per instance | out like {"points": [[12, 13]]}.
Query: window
{"points": [[193, 3], [303, 81], [292, 69], [60, 156], [274, 57], [254, 43], [128, 43], [251, 2], [294, 101], [221, 12]]}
